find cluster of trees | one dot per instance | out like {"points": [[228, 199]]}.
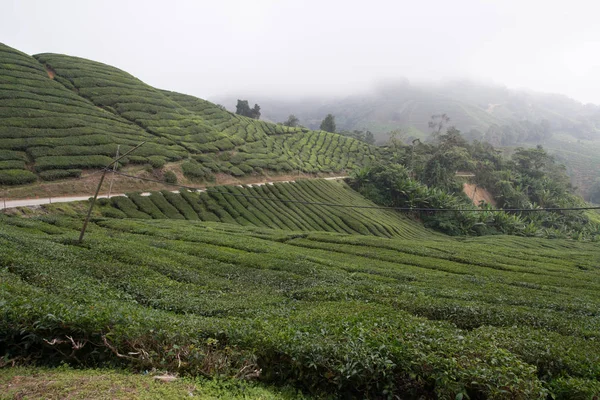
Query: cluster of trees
{"points": [[424, 175], [292, 121], [243, 108]]}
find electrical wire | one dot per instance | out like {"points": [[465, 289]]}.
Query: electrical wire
{"points": [[404, 209]]}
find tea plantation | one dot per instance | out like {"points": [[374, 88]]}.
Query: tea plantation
{"points": [[298, 206], [306, 286], [61, 115], [415, 315]]}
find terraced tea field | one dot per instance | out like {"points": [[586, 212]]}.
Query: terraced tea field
{"points": [[298, 206], [358, 315], [61, 115]]}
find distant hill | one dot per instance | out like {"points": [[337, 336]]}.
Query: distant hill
{"points": [[61, 115], [500, 116], [471, 106]]}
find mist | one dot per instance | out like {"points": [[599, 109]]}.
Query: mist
{"points": [[321, 48]]}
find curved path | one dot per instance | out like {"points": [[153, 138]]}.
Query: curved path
{"points": [[5, 204]]}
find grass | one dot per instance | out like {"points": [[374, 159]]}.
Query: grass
{"points": [[346, 315], [97, 384]]}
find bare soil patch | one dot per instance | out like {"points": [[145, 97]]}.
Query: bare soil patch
{"points": [[478, 194]]}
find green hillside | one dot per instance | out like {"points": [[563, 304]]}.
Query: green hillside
{"points": [[355, 316], [63, 115], [277, 206], [45, 127]]}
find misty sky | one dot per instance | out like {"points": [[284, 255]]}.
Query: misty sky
{"points": [[299, 48]]}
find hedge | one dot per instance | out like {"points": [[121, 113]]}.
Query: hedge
{"points": [[16, 177], [55, 174]]}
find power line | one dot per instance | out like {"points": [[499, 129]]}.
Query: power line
{"points": [[357, 206]]}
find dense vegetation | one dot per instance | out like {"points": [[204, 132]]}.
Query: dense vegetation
{"points": [[62, 115], [423, 175], [496, 317]]}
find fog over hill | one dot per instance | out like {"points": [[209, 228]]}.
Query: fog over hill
{"points": [[483, 111], [504, 117]]}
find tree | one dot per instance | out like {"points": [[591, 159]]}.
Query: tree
{"points": [[255, 112], [243, 108], [369, 138], [328, 124], [292, 121], [437, 123]]}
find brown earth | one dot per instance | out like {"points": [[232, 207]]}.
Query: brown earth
{"points": [[50, 72], [478, 194]]}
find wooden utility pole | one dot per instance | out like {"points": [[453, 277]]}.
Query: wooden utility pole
{"points": [[87, 218], [114, 169]]}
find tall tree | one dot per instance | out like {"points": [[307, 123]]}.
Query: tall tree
{"points": [[292, 121], [369, 138], [255, 112], [328, 124], [242, 108], [437, 123]]}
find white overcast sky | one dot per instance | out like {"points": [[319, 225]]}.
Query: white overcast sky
{"points": [[299, 48]]}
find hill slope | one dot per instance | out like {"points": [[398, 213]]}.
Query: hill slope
{"points": [[62, 114]]}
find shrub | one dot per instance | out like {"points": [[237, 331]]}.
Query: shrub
{"points": [[12, 164], [56, 174], [170, 177], [236, 171], [192, 170], [128, 207], [16, 177], [69, 162], [157, 161]]}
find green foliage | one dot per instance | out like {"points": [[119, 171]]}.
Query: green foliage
{"points": [[56, 174], [16, 177], [242, 108], [12, 164], [157, 161], [328, 123], [125, 205], [70, 162], [170, 177], [531, 179], [292, 121]]}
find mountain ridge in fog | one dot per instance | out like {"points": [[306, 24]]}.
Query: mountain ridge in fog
{"points": [[484, 111]]}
